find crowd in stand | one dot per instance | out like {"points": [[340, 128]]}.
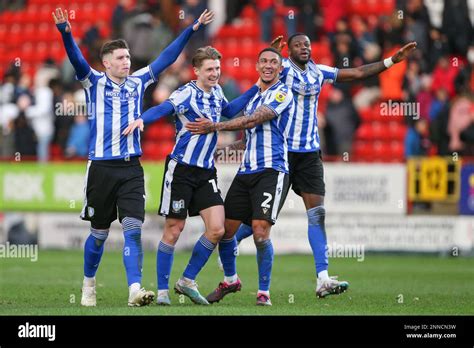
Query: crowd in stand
{"points": [[439, 77]]}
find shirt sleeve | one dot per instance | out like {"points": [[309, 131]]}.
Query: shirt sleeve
{"points": [[329, 73], [155, 113], [279, 100], [180, 99]]}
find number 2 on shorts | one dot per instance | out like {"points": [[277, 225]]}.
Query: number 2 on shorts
{"points": [[265, 202]]}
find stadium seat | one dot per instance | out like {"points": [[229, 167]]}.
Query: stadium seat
{"points": [[397, 151], [365, 114]]}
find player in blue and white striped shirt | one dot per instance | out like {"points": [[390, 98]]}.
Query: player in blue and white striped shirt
{"points": [[261, 184], [190, 179], [114, 178], [306, 78]]}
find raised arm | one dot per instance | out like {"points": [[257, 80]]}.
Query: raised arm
{"points": [[236, 105], [169, 55], [151, 115], [364, 71], [73, 52], [203, 125]]}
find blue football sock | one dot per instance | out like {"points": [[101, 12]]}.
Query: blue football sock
{"points": [[164, 262], [201, 253], [132, 249], [93, 250], [317, 237], [227, 251], [265, 263], [243, 232]]}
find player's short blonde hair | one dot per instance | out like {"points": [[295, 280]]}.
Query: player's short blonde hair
{"points": [[204, 53]]}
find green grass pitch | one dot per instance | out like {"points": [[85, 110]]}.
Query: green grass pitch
{"points": [[380, 285]]}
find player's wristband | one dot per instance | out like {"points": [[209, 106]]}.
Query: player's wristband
{"points": [[388, 62]]}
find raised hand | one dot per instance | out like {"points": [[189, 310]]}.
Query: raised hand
{"points": [[201, 126], [138, 123], [205, 18], [404, 52], [61, 17], [278, 43]]}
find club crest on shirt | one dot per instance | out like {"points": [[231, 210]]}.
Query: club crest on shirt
{"points": [[90, 211], [177, 205], [280, 96]]}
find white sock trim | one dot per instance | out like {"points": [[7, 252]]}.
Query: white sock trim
{"points": [[134, 288], [231, 279], [323, 275], [267, 292], [88, 281]]}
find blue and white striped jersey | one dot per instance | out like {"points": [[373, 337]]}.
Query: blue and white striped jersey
{"points": [[111, 108], [190, 103], [306, 86], [266, 144]]}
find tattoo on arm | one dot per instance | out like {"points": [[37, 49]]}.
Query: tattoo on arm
{"points": [[260, 115]]}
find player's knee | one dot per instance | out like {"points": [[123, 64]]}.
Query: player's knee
{"points": [[261, 231], [316, 215], [215, 232], [173, 229], [100, 235]]}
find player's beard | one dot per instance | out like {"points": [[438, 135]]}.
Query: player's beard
{"points": [[298, 60]]}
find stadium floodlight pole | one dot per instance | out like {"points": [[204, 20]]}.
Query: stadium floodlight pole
{"points": [[114, 176]]}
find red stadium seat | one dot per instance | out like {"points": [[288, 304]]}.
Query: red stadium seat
{"points": [[397, 151], [365, 114], [363, 132], [398, 131]]}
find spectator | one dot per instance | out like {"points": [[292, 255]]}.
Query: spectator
{"points": [[438, 48], [444, 75], [370, 91], [435, 10], [24, 135], [392, 79], [416, 140], [417, 23], [267, 11], [460, 118], [464, 82], [342, 121], [192, 10], [78, 142], [424, 98], [457, 26], [440, 101], [41, 116]]}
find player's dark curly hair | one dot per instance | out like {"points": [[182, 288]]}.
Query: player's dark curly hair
{"points": [[293, 36], [111, 46]]}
